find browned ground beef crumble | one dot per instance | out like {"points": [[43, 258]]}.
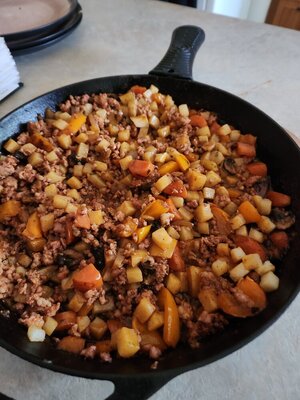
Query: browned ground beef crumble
{"points": [[45, 240]]}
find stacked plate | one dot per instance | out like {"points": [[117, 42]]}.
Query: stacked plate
{"points": [[29, 25]]}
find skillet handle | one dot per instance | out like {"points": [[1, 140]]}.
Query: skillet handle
{"points": [[179, 58], [139, 388]]}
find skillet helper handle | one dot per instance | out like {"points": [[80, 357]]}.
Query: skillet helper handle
{"points": [[137, 388], [179, 58]]}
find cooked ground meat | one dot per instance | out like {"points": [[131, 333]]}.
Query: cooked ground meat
{"points": [[125, 216]]}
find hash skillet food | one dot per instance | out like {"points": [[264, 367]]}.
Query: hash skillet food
{"points": [[129, 224]]}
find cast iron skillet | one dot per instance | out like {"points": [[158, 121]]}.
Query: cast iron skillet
{"points": [[133, 378]]}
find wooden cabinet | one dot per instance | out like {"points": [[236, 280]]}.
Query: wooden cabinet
{"points": [[284, 13]]}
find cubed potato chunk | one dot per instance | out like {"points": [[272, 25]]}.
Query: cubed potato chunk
{"points": [[47, 222], [238, 272], [220, 267], [269, 282], [50, 325], [173, 283], [144, 310], [127, 341], [155, 321], [98, 327], [96, 217], [203, 212], [266, 225], [11, 146], [36, 334], [134, 275], [161, 238], [252, 261], [196, 180], [208, 299], [237, 254]]}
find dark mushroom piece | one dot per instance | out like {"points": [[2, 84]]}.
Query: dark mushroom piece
{"points": [[230, 166], [283, 219], [262, 186]]}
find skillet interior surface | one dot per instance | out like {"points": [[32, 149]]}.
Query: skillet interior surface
{"points": [[274, 147]]}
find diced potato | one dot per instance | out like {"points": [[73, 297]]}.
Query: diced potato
{"points": [[163, 182], [234, 135], [208, 299], [154, 121], [267, 266], [76, 302], [47, 222], [186, 233], [102, 146], [156, 251], [185, 214], [269, 282], [193, 195], [74, 183], [144, 310], [35, 159], [204, 131], [78, 170], [220, 147], [196, 180], [212, 179], [96, 217], [98, 328], [53, 177], [134, 275], [36, 334], [138, 256], [87, 168], [140, 121], [50, 325], [173, 283], [161, 158], [11, 146], [237, 254], [178, 201], [100, 166], [252, 261], [223, 249], [52, 156], [125, 98], [81, 138], [203, 227], [164, 131], [208, 193], [183, 110], [224, 130], [127, 208], [220, 267], [266, 225], [161, 238], [182, 276], [238, 272], [209, 165], [9, 208], [82, 150], [60, 124], [60, 201], [256, 235], [124, 162], [156, 321], [113, 129], [237, 221], [24, 260], [65, 141], [230, 208], [74, 194], [71, 208], [182, 161], [28, 148], [264, 206], [96, 181], [127, 342], [101, 308], [83, 322], [203, 212], [124, 135], [193, 273], [242, 231], [216, 156]]}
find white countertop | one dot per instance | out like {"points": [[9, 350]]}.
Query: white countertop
{"points": [[257, 62]]}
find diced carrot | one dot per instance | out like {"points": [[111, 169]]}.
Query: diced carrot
{"points": [[173, 210], [249, 212], [171, 329], [279, 199], [176, 262], [137, 89], [82, 221], [87, 278], [215, 127], [280, 239], [250, 139], [113, 325], [245, 149], [250, 246], [225, 139], [198, 120], [222, 220], [69, 232], [176, 188], [72, 344], [65, 320], [141, 167], [230, 305], [253, 291], [257, 168]]}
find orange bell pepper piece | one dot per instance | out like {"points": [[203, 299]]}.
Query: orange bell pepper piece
{"points": [[230, 305], [248, 138], [245, 149], [87, 278], [250, 246], [280, 239], [198, 120], [176, 262], [65, 320], [249, 212], [253, 291], [141, 167], [137, 89], [257, 168], [33, 228], [222, 220], [171, 330], [279, 199], [72, 344], [173, 210], [75, 123], [40, 141], [82, 220]]}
